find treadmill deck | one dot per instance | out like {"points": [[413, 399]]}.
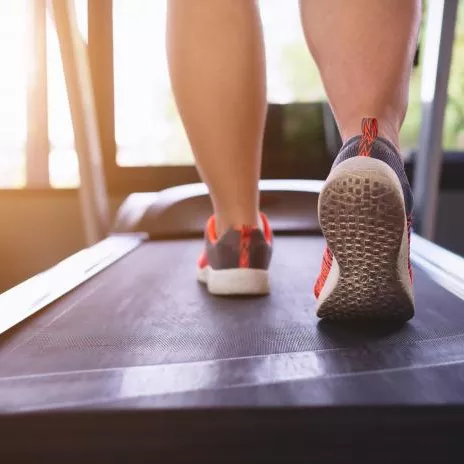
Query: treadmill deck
{"points": [[144, 333]]}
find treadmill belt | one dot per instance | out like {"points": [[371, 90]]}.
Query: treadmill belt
{"points": [[147, 312]]}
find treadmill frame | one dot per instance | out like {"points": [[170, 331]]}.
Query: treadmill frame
{"points": [[232, 435]]}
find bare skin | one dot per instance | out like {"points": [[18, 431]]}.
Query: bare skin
{"points": [[217, 66]]}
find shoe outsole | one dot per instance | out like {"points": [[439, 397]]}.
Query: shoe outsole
{"points": [[362, 216]]}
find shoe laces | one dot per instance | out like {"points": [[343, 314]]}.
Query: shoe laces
{"points": [[369, 129]]}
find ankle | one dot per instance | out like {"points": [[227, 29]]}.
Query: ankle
{"points": [[224, 222]]}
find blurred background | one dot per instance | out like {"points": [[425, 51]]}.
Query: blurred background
{"points": [[39, 172]]}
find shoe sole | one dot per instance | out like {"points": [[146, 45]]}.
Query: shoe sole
{"points": [[235, 281], [362, 216]]}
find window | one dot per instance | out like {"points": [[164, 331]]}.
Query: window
{"points": [[453, 134], [21, 68], [453, 130], [63, 162], [13, 96], [148, 130]]}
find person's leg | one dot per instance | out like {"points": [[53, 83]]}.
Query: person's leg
{"points": [[364, 50], [217, 67]]}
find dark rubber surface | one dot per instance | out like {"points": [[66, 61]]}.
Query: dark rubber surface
{"points": [[148, 309]]}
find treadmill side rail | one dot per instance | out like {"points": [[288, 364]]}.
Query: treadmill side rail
{"points": [[441, 265], [31, 296]]}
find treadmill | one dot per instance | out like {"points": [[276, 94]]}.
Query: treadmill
{"points": [[119, 351], [118, 354]]}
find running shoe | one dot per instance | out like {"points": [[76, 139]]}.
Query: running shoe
{"points": [[237, 263], [365, 210]]}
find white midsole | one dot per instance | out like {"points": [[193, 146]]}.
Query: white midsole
{"points": [[235, 281]]}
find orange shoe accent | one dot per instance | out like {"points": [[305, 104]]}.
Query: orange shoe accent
{"points": [[211, 229], [245, 241], [369, 128], [212, 237], [325, 269], [203, 260], [267, 229]]}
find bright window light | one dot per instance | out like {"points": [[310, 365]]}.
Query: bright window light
{"points": [[149, 131], [63, 164], [13, 93], [148, 128]]}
